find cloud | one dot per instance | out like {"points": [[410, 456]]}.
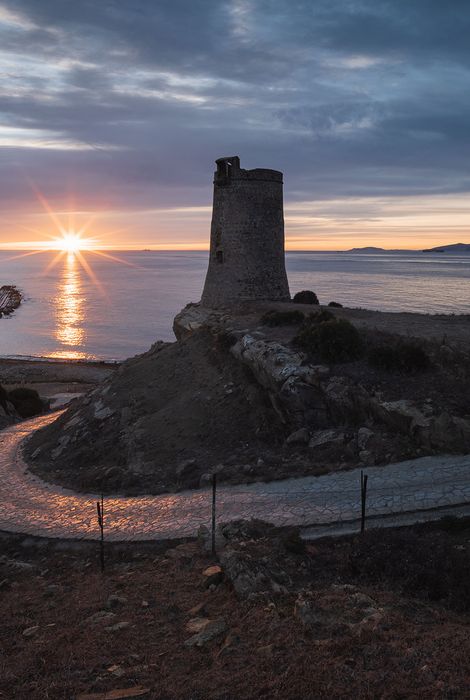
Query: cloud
{"points": [[130, 101]]}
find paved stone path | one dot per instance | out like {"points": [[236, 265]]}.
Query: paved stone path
{"points": [[330, 503]]}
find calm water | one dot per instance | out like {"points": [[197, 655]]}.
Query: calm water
{"points": [[117, 309]]}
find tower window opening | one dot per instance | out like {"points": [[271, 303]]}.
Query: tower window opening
{"points": [[219, 256], [224, 168]]}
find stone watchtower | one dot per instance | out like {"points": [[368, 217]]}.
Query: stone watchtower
{"points": [[247, 237]]}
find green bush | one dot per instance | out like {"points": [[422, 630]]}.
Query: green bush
{"points": [[334, 340], [306, 296], [402, 357], [282, 318], [320, 316], [335, 304]]}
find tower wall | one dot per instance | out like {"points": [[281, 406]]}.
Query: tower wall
{"points": [[246, 260]]}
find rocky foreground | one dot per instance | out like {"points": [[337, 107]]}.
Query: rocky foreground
{"points": [[385, 615], [254, 394]]}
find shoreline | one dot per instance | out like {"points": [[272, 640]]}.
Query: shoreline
{"points": [[58, 360], [34, 370]]}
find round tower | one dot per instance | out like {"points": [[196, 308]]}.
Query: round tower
{"points": [[246, 260]]}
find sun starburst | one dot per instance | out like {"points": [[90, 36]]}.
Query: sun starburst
{"points": [[71, 242]]}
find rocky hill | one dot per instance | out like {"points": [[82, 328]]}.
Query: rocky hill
{"points": [[255, 395]]}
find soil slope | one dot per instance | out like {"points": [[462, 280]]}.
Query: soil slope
{"points": [[161, 421]]}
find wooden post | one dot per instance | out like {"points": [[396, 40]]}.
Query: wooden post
{"points": [[363, 500], [214, 489], [100, 509]]}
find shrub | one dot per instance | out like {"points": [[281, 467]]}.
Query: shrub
{"points": [[428, 568], [282, 318], [21, 393], [320, 316], [3, 399], [26, 401], [335, 304], [306, 296], [335, 340], [402, 357]]}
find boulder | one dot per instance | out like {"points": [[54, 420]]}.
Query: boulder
{"points": [[212, 576], [186, 468], [364, 435], [209, 630], [250, 576], [402, 416], [324, 438], [298, 437]]}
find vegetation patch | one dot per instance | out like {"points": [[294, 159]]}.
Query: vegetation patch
{"points": [[403, 562], [332, 340], [27, 402], [402, 357], [282, 318], [306, 296]]}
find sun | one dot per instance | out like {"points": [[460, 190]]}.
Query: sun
{"points": [[70, 243]]}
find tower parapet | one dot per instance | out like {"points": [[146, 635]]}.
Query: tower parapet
{"points": [[246, 260]]}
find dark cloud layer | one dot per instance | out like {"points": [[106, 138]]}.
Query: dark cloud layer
{"points": [[131, 100]]}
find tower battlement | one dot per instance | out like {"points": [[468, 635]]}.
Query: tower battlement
{"points": [[246, 260]]}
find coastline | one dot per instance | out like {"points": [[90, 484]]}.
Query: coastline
{"points": [[44, 370]]}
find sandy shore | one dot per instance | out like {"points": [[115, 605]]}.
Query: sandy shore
{"points": [[57, 381], [50, 372]]}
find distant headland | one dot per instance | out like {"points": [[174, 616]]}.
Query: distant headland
{"points": [[452, 248]]}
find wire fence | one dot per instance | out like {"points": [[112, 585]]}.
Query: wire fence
{"points": [[31, 506]]}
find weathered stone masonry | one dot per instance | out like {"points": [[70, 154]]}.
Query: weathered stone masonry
{"points": [[246, 259]]}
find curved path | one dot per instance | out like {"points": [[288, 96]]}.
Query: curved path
{"points": [[398, 493]]}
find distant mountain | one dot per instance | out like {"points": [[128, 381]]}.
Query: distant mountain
{"points": [[367, 249], [454, 248], [374, 249]]}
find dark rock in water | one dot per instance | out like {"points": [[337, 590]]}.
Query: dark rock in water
{"points": [[10, 299]]}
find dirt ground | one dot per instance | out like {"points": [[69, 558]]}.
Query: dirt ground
{"points": [[68, 631], [454, 330], [178, 410]]}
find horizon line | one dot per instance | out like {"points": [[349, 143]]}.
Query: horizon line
{"points": [[151, 249]]}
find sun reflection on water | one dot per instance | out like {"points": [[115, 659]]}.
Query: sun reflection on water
{"points": [[70, 311]]}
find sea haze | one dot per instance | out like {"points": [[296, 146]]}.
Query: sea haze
{"points": [[121, 308]]}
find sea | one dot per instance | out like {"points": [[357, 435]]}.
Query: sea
{"points": [[113, 305]]}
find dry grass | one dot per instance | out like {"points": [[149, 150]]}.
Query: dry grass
{"points": [[417, 651]]}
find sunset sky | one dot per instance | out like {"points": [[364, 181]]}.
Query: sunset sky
{"points": [[113, 112]]}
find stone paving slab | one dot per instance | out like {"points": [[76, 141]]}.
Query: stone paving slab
{"points": [[330, 503]]}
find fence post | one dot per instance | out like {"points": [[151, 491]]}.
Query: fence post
{"points": [[363, 500], [214, 490], [100, 509]]}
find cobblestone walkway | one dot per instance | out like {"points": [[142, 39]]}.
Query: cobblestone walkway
{"points": [[328, 503]]}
